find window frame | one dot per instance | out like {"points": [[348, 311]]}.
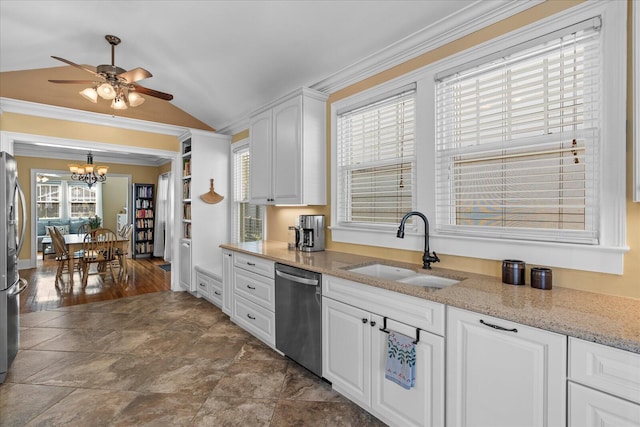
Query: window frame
{"points": [[60, 198], [412, 160], [608, 255], [70, 201], [234, 205]]}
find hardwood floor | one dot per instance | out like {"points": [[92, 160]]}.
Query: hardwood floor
{"points": [[145, 276]]}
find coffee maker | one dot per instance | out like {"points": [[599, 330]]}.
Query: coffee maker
{"points": [[310, 236]]}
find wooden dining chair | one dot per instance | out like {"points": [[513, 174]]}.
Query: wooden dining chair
{"points": [[63, 257], [99, 247], [84, 228], [123, 251]]}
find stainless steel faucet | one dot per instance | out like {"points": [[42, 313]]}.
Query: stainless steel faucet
{"points": [[427, 258]]}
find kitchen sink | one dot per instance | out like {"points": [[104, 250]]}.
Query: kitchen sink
{"points": [[382, 271], [403, 275]]}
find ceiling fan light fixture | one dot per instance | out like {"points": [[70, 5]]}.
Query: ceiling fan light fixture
{"points": [[90, 94], [135, 99], [119, 103], [106, 91]]}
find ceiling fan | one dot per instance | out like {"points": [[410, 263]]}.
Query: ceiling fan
{"points": [[115, 83]]}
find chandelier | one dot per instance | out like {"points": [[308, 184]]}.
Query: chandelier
{"points": [[89, 173]]}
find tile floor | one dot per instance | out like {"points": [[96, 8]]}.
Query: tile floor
{"points": [[160, 359]]}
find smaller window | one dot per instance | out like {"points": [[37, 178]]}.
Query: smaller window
{"points": [[376, 160], [48, 200], [82, 201], [248, 220]]}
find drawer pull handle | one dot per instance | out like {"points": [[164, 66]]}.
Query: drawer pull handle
{"points": [[251, 317], [217, 293], [251, 287], [500, 328], [252, 264]]}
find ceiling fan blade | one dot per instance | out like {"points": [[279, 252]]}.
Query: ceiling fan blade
{"points": [[151, 92], [73, 64], [74, 82], [135, 75]]}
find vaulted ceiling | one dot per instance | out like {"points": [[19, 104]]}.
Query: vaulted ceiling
{"points": [[220, 59]]}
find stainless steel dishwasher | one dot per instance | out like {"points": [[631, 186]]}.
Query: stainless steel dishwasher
{"points": [[299, 316]]}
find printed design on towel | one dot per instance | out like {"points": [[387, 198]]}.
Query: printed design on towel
{"points": [[401, 360]]}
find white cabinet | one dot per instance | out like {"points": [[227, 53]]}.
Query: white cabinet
{"points": [[185, 265], [501, 373], [355, 349], [209, 286], [227, 281], [604, 385], [253, 301], [288, 150]]}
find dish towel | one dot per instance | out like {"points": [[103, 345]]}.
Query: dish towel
{"points": [[401, 360]]}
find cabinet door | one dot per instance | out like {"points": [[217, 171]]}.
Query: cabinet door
{"points": [[287, 151], [512, 376], [260, 134], [592, 408], [423, 404], [346, 347], [227, 282], [185, 266]]}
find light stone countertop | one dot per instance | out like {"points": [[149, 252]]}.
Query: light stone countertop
{"points": [[604, 319]]}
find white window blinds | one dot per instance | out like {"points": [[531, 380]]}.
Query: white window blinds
{"points": [[376, 160], [517, 144], [247, 219]]}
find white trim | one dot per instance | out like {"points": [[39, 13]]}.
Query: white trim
{"points": [[68, 114], [608, 256], [474, 17], [636, 101]]}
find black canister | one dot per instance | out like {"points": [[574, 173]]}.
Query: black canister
{"points": [[541, 278], [513, 271]]}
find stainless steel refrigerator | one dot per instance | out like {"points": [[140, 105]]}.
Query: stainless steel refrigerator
{"points": [[12, 228]]}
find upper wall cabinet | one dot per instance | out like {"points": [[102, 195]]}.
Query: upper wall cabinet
{"points": [[288, 151]]}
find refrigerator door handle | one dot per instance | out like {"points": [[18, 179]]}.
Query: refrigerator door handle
{"points": [[24, 216], [20, 288]]}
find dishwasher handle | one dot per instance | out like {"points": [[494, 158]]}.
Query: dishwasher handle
{"points": [[296, 279]]}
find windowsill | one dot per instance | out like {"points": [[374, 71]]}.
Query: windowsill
{"points": [[596, 258]]}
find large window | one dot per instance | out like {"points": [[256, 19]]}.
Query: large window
{"points": [[82, 201], [519, 149], [247, 219], [48, 200], [376, 160], [518, 142]]}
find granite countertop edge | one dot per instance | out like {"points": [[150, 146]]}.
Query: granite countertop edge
{"points": [[604, 319]]}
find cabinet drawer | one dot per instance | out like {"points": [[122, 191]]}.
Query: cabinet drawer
{"points": [[255, 288], [254, 264], [255, 319], [420, 313], [203, 284], [216, 292], [605, 368], [592, 408]]}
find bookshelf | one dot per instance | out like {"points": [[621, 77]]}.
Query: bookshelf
{"points": [[143, 220], [186, 189]]}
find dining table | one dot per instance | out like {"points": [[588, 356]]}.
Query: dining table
{"points": [[74, 244]]}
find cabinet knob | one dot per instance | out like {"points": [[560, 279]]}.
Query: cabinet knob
{"points": [[365, 320], [372, 323]]}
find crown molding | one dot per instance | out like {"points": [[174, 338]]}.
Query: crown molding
{"points": [[8, 105], [474, 17]]}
